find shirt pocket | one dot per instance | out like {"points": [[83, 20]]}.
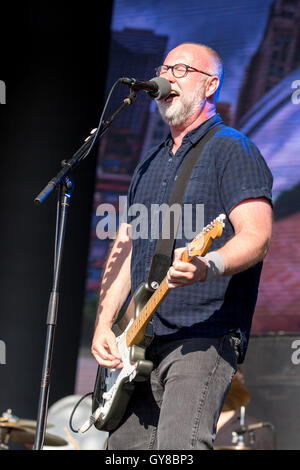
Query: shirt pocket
{"points": [[201, 186], [200, 172]]}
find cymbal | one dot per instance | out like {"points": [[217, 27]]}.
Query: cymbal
{"points": [[25, 423], [13, 432], [238, 396], [232, 448]]}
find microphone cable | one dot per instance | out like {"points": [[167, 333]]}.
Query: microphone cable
{"points": [[96, 133]]}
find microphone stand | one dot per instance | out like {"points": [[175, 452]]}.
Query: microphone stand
{"points": [[64, 183]]}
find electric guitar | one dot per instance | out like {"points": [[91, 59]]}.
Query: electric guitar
{"points": [[113, 387]]}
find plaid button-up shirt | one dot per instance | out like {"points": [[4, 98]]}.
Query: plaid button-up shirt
{"points": [[230, 170]]}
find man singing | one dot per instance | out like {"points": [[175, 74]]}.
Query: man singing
{"points": [[201, 330]]}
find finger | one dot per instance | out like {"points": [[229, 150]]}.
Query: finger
{"points": [[107, 346], [184, 267], [113, 347], [115, 364], [186, 280], [111, 364], [178, 253], [182, 279], [120, 366], [184, 276], [102, 352]]}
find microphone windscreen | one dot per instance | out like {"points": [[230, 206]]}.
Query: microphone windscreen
{"points": [[164, 88]]}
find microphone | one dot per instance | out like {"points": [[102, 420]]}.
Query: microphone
{"points": [[157, 88]]}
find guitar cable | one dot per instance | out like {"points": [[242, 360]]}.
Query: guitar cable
{"points": [[73, 412]]}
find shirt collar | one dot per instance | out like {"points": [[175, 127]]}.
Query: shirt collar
{"points": [[196, 134]]}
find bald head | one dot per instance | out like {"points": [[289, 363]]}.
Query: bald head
{"points": [[204, 58]]}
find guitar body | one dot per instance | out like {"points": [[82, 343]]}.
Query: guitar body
{"points": [[113, 387]]}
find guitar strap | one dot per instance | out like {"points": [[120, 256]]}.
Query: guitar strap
{"points": [[162, 257]]}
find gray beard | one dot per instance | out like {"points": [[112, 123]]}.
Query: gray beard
{"points": [[179, 112]]}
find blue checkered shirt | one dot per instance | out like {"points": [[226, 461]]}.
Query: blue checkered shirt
{"points": [[230, 170]]}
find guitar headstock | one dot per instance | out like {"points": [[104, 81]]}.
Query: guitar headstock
{"points": [[200, 245]]}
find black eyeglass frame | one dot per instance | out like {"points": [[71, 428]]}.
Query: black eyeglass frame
{"points": [[187, 67]]}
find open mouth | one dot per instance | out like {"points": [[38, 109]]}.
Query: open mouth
{"points": [[173, 94]]}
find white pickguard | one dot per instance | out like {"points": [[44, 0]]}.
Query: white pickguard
{"points": [[116, 376], [113, 381]]}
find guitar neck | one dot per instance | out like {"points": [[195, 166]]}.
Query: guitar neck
{"points": [[198, 247], [137, 330]]}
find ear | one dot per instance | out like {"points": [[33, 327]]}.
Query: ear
{"points": [[212, 86]]}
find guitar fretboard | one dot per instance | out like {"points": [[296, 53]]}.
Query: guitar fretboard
{"points": [[137, 329]]}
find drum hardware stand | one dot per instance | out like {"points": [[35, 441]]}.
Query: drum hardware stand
{"points": [[238, 438], [4, 442], [7, 417], [64, 183]]}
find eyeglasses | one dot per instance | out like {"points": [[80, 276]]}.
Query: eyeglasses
{"points": [[178, 70]]}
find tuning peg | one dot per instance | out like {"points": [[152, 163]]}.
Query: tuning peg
{"points": [[221, 218]]}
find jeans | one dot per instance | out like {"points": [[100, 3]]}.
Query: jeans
{"points": [[178, 407]]}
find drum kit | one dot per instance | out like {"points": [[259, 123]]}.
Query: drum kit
{"points": [[237, 399], [22, 431], [237, 437]]}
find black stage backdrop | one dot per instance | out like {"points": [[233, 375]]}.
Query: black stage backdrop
{"points": [[53, 63]]}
